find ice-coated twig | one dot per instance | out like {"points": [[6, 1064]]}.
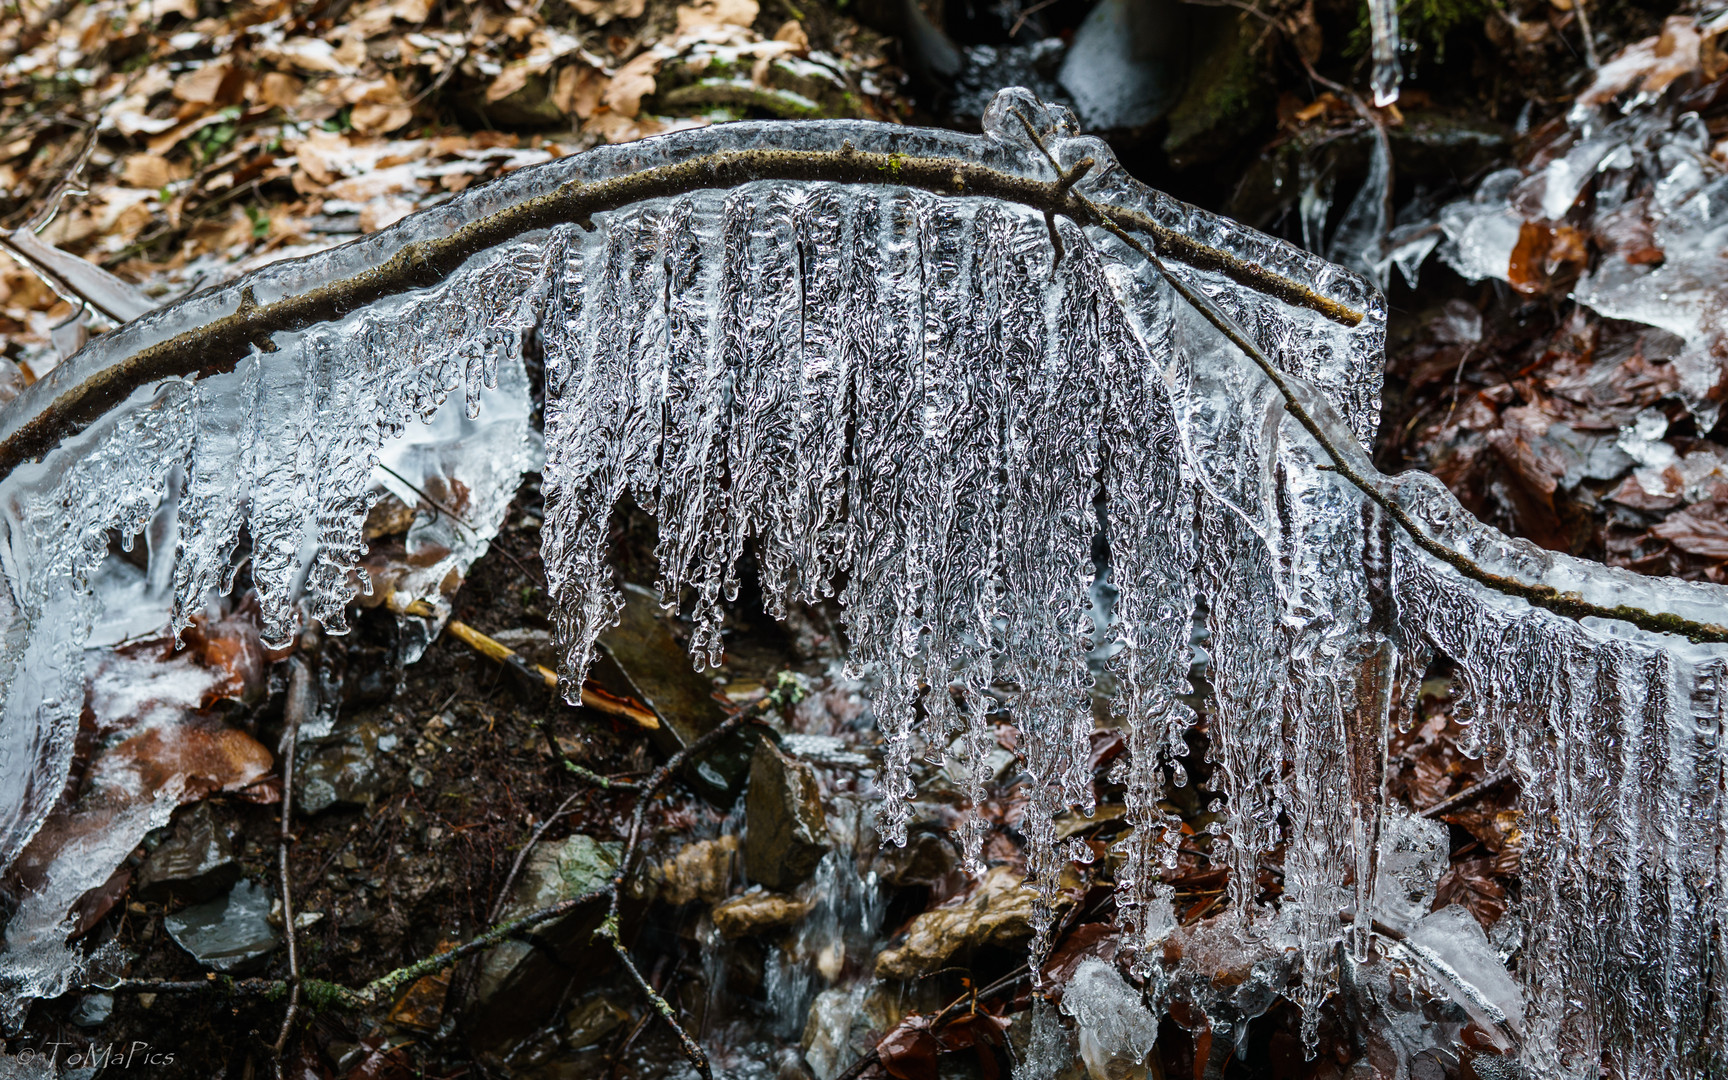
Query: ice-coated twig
{"points": [[220, 345], [1544, 596]]}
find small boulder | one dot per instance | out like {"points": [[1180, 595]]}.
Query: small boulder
{"points": [[699, 871], [342, 770], [232, 933], [998, 912], [195, 863], [756, 912], [786, 829], [518, 972]]}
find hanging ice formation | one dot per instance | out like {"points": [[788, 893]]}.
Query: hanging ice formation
{"points": [[1387, 72], [906, 396]]}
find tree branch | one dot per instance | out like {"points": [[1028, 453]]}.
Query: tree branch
{"points": [[221, 344]]}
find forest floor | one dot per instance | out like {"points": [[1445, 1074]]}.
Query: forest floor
{"points": [[179, 143]]}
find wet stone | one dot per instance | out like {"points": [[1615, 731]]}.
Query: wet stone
{"points": [[699, 871], [195, 863], [786, 829], [1125, 63], [93, 1010], [999, 912], [592, 1019], [231, 934], [645, 660], [553, 873], [927, 859], [756, 912], [342, 770]]}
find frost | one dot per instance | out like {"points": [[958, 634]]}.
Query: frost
{"points": [[908, 400]]}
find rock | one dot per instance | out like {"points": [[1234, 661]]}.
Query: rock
{"points": [[93, 1010], [927, 859], [231, 934], [644, 660], [700, 871], [1124, 65], [845, 1022], [195, 863], [341, 770], [786, 830], [998, 912], [520, 981], [592, 1019], [757, 911]]}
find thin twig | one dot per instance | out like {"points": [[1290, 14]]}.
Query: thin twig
{"points": [[1590, 56], [1500, 774], [963, 1003], [301, 691]]}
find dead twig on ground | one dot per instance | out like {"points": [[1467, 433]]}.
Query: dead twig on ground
{"points": [[301, 695]]}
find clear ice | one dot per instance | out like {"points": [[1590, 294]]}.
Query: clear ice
{"points": [[906, 399]]}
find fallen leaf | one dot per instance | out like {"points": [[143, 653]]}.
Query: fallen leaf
{"points": [[633, 82], [204, 86], [279, 91], [1651, 64], [515, 77], [147, 171], [604, 11], [909, 1051], [706, 13], [792, 32]]}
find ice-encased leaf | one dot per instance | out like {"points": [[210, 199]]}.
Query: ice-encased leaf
{"points": [[908, 398]]}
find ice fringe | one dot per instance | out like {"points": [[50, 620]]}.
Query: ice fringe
{"points": [[909, 399]]}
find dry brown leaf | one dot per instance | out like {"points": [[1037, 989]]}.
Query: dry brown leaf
{"points": [[519, 27], [372, 119], [413, 11], [792, 32], [604, 11], [709, 13], [280, 91], [147, 171], [633, 82], [319, 153], [514, 78], [578, 90], [616, 129], [202, 86]]}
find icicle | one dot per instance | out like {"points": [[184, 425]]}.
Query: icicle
{"points": [[1387, 73]]}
